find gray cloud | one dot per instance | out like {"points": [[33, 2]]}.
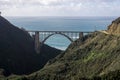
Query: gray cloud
{"points": [[52, 2], [58, 7]]}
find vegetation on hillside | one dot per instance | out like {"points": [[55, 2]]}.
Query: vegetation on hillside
{"points": [[95, 56]]}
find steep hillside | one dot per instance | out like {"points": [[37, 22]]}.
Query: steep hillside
{"points": [[17, 54], [97, 55]]}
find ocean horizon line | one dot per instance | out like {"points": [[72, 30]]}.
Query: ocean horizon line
{"points": [[65, 16]]}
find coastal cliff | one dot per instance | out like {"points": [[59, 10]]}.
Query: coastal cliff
{"points": [[97, 57], [17, 52]]}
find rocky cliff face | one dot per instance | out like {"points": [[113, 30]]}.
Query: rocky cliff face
{"points": [[114, 28], [17, 54], [97, 55]]}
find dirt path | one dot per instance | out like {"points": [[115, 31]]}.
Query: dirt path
{"points": [[105, 32]]}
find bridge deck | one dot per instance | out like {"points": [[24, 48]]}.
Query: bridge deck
{"points": [[63, 31]]}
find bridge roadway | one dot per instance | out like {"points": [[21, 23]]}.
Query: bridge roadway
{"points": [[41, 36]]}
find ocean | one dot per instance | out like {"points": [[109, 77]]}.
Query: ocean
{"points": [[61, 24]]}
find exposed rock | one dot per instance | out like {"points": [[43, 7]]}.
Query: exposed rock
{"points": [[114, 28]]}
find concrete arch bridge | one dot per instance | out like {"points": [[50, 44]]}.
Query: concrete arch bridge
{"points": [[41, 36]]}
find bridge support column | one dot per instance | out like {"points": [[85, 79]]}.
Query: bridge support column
{"points": [[37, 43], [81, 35]]}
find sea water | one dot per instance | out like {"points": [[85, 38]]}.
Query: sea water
{"points": [[61, 24]]}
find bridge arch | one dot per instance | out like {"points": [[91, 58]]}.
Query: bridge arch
{"points": [[59, 34], [38, 40]]}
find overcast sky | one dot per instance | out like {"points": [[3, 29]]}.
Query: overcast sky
{"points": [[60, 7]]}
